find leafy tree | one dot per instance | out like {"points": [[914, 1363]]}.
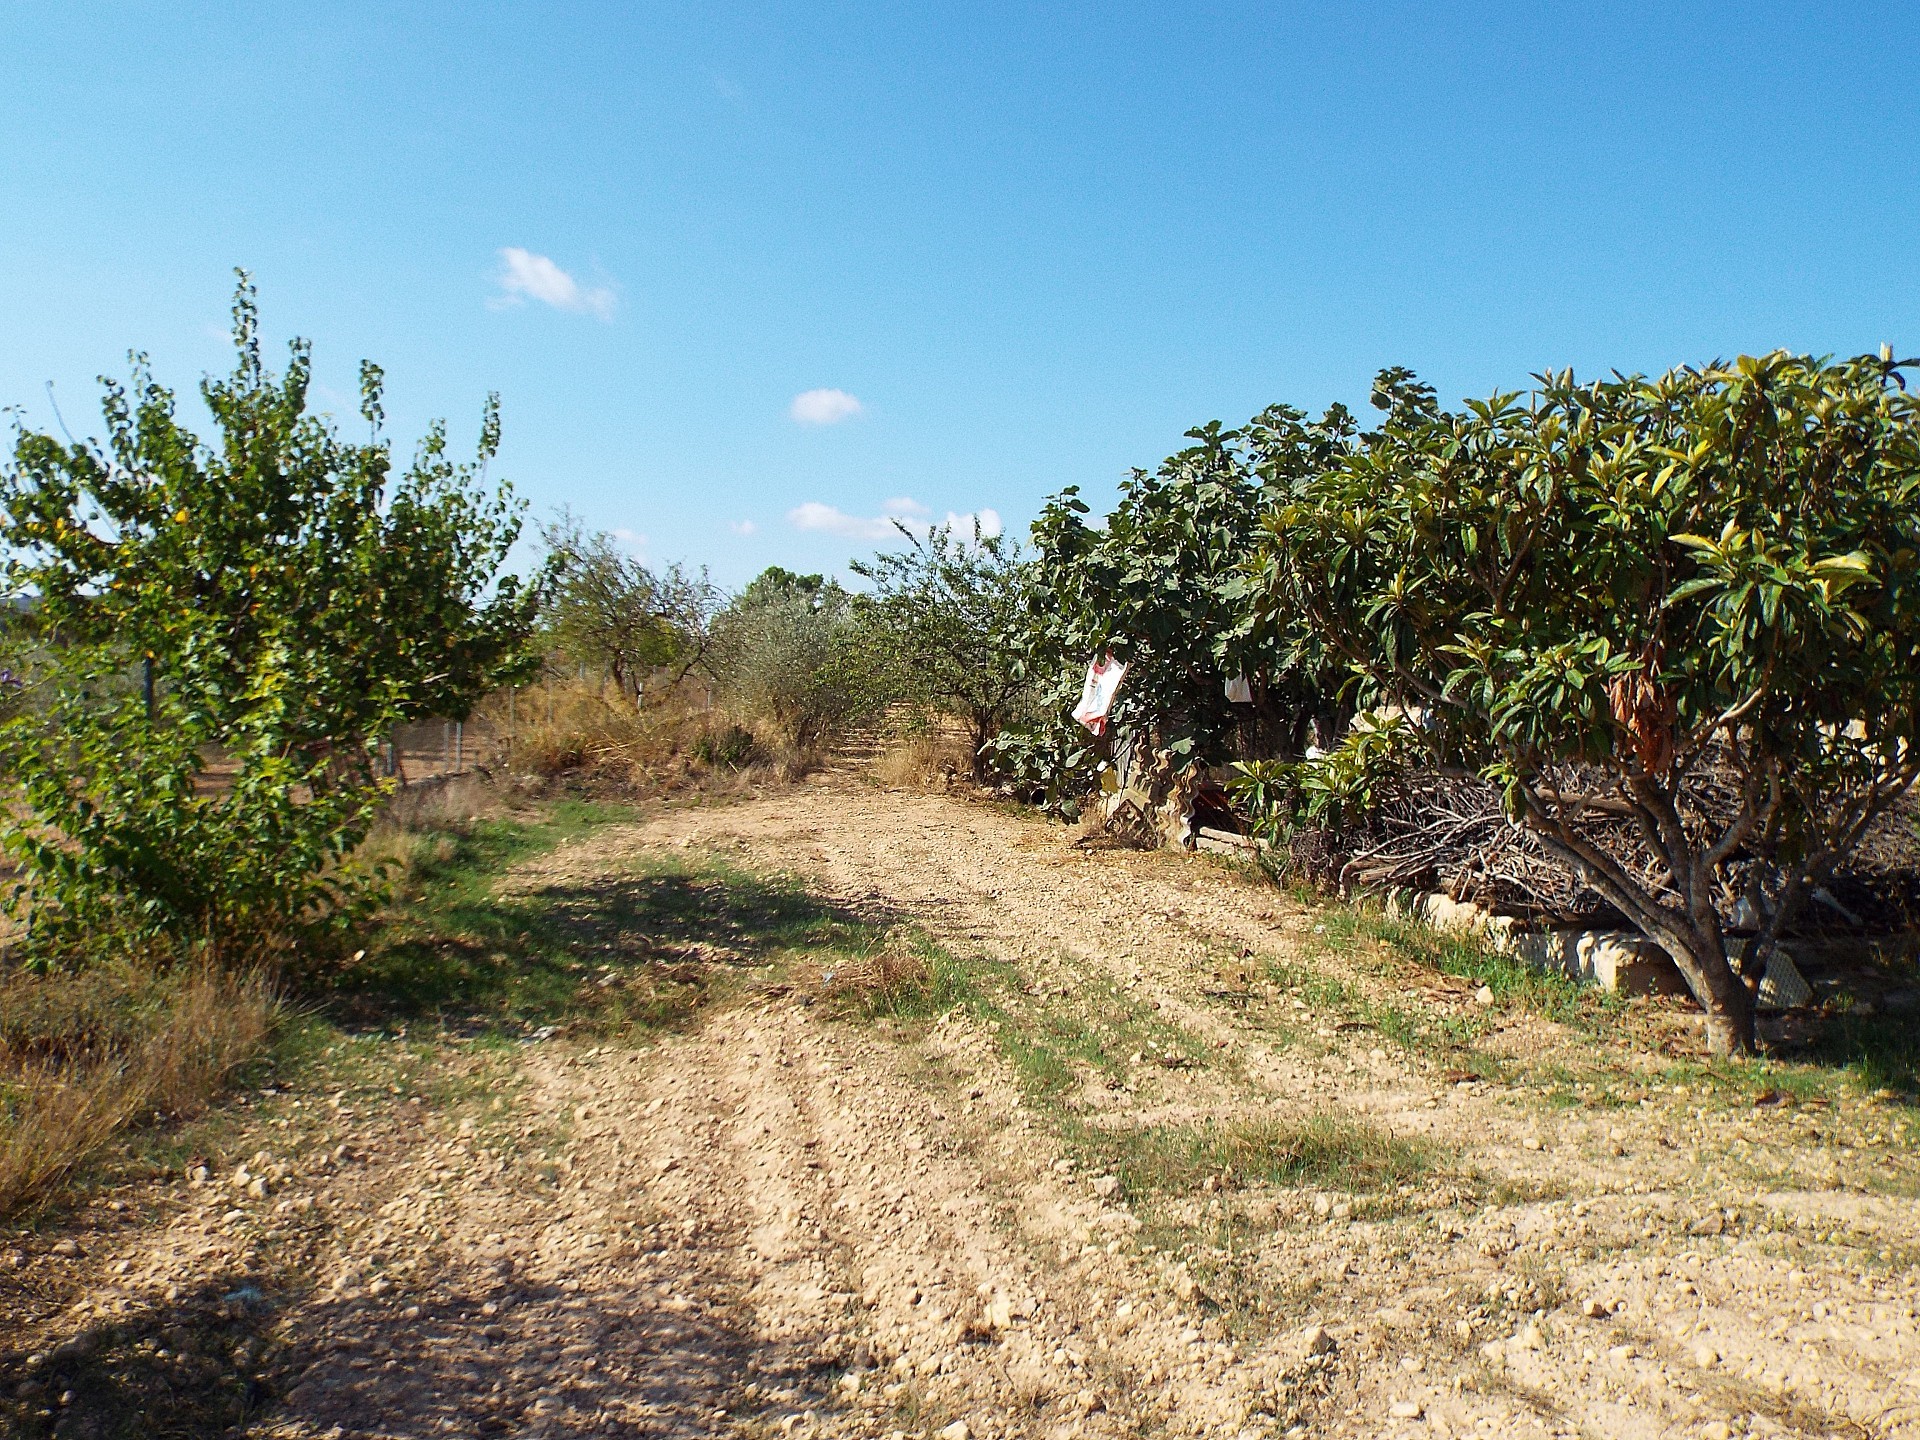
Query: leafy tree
{"points": [[794, 649], [1162, 586], [295, 602], [605, 609], [946, 616], [1684, 609]]}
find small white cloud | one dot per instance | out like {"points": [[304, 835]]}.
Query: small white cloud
{"points": [[906, 511], [742, 527], [815, 516], [526, 276], [962, 525], [824, 407], [633, 540]]}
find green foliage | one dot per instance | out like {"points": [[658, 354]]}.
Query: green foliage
{"points": [[1608, 591], [294, 602], [730, 747], [946, 616], [1162, 587], [606, 610], [795, 650]]}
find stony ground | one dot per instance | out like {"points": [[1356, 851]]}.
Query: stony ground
{"points": [[1081, 1199]]}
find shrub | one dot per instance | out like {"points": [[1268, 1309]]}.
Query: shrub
{"points": [[1683, 612], [293, 605]]}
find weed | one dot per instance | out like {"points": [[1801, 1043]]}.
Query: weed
{"points": [[1326, 1148], [909, 978]]}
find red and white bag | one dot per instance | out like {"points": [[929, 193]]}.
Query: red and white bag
{"points": [[1096, 696]]}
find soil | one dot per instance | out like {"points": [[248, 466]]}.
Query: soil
{"points": [[783, 1220]]}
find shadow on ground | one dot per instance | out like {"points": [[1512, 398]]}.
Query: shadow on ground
{"points": [[644, 948], [480, 1351]]}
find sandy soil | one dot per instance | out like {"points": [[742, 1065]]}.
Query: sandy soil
{"points": [[783, 1222]]}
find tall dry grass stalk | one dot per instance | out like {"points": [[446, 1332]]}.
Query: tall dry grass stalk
{"points": [[83, 1058], [586, 731]]}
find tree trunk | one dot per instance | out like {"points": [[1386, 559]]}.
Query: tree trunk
{"points": [[1722, 994]]}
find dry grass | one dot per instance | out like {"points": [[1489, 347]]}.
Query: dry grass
{"points": [[83, 1057], [918, 761], [676, 742]]}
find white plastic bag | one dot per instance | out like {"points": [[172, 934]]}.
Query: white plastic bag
{"points": [[1104, 674]]}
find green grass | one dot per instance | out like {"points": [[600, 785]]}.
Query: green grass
{"points": [[1326, 1149], [637, 947]]}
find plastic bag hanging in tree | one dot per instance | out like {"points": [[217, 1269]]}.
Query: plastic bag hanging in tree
{"points": [[1239, 692], [1096, 696]]}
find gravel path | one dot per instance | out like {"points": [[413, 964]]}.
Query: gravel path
{"points": [[779, 1222]]}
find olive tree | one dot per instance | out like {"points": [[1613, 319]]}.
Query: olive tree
{"points": [[795, 650], [1689, 605]]}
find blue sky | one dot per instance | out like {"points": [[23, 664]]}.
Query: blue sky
{"points": [[998, 249]]}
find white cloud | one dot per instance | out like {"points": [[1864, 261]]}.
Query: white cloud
{"points": [[742, 527], [526, 276], [824, 407], [633, 540], [813, 515], [962, 525]]}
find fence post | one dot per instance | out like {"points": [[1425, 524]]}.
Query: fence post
{"points": [[459, 745]]}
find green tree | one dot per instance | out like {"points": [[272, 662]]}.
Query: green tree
{"points": [[1677, 616], [295, 602], [795, 650], [1162, 585], [947, 615], [605, 609]]}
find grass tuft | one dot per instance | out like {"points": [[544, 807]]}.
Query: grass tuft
{"points": [[85, 1057], [1326, 1148]]}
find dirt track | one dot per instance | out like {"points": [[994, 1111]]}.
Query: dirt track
{"points": [[781, 1222]]}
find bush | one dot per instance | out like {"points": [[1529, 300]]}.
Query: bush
{"points": [[730, 747], [292, 606]]}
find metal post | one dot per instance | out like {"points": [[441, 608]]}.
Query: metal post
{"points": [[459, 745], [446, 745]]}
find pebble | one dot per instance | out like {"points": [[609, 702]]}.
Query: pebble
{"points": [[1314, 1340], [66, 1248], [1484, 995], [956, 1431], [1705, 1356], [1406, 1410]]}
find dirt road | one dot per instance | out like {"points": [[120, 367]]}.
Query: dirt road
{"points": [[1088, 1204]]}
